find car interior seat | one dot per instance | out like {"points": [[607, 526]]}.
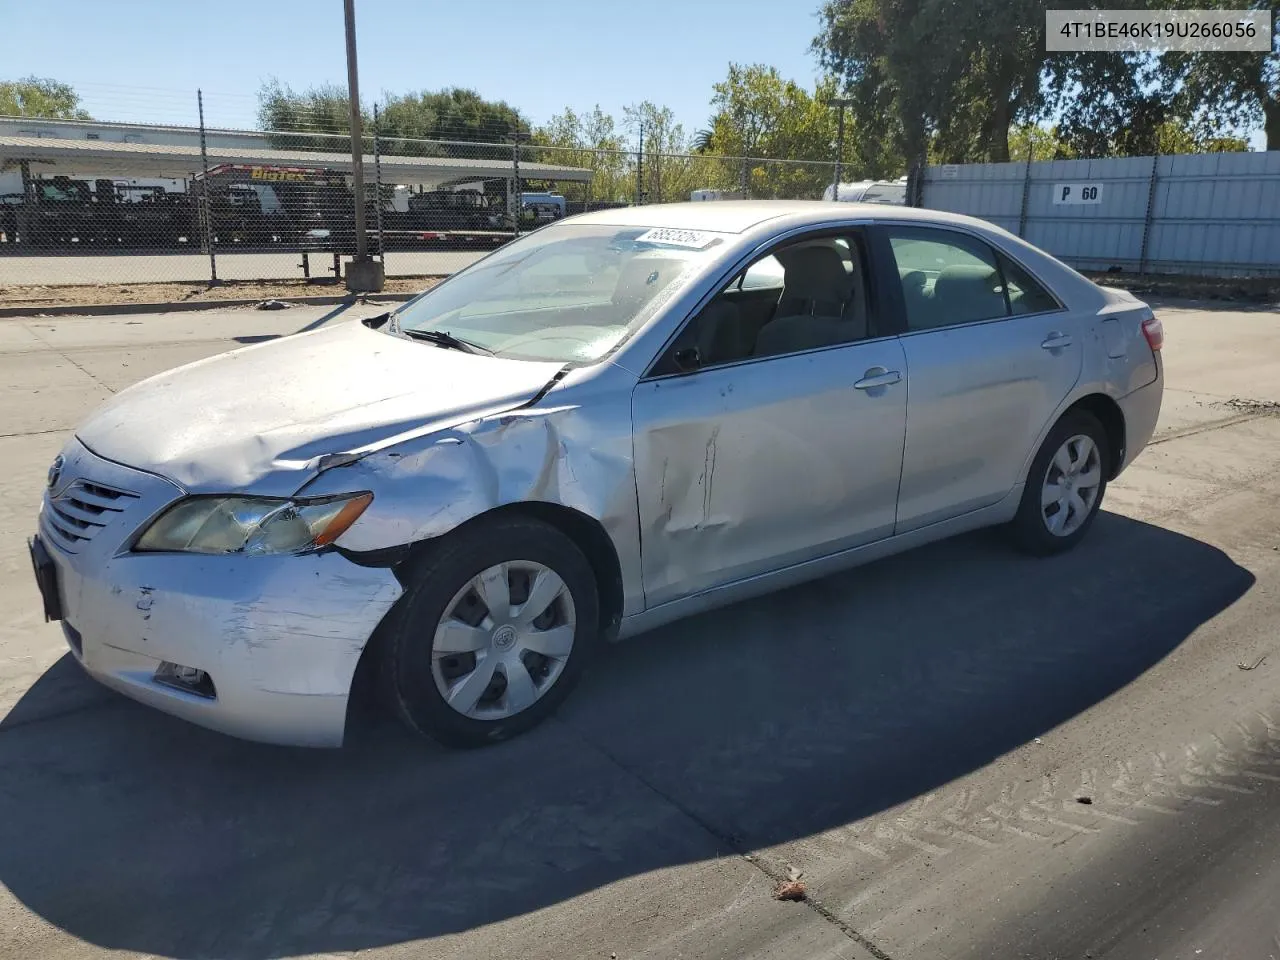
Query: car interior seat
{"points": [[822, 304], [966, 292]]}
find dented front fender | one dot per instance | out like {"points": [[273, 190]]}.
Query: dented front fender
{"points": [[573, 449]]}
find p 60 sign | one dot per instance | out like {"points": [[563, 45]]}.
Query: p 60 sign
{"points": [[1071, 193]]}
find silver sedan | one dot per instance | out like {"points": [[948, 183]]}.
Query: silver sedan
{"points": [[619, 420]]}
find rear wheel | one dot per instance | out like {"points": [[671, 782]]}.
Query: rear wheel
{"points": [[1064, 487], [493, 633]]}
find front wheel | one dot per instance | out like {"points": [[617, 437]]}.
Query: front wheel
{"points": [[494, 631], [1064, 487]]}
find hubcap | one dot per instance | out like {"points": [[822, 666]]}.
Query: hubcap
{"points": [[504, 640], [1071, 484]]}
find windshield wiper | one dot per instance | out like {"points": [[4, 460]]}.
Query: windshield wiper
{"points": [[443, 338]]}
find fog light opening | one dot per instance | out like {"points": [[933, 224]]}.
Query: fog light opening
{"points": [[187, 679]]}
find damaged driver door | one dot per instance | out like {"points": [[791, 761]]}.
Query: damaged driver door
{"points": [[759, 445]]}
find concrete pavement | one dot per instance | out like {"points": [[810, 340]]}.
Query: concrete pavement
{"points": [[967, 753]]}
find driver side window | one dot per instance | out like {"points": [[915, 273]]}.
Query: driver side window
{"points": [[807, 295]]}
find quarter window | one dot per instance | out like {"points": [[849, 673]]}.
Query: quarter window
{"points": [[1025, 294]]}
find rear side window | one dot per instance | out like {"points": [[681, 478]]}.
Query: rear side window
{"points": [[1025, 294], [947, 278]]}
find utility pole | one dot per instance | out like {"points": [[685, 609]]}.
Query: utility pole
{"points": [[640, 167], [204, 195], [839, 103], [364, 275], [517, 203]]}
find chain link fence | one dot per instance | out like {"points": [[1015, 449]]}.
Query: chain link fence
{"points": [[186, 205]]}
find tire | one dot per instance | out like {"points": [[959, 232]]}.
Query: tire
{"points": [[1032, 526], [421, 680]]}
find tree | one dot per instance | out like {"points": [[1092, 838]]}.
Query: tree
{"points": [[40, 97], [876, 47], [417, 123], [957, 87], [455, 114], [315, 119], [1048, 143], [1236, 88], [588, 140], [670, 172], [760, 115], [962, 80]]}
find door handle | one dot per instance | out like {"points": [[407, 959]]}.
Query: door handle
{"points": [[1056, 341], [877, 377]]}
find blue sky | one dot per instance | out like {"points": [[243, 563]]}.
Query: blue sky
{"points": [[142, 60]]}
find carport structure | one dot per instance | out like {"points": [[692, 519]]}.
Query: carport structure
{"points": [[81, 158], [164, 209]]}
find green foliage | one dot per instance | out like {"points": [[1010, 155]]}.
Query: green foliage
{"points": [[457, 116], [1042, 143], [958, 84], [314, 119], [40, 97], [938, 73], [317, 118], [760, 115], [1240, 89], [588, 140], [1047, 143]]}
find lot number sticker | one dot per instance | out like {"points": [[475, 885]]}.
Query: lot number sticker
{"points": [[692, 239], [1071, 193]]}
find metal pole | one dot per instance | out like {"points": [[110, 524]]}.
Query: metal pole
{"points": [[1026, 188], [839, 103], [357, 141], [640, 167], [377, 187], [1151, 203], [515, 175], [204, 194], [835, 189]]}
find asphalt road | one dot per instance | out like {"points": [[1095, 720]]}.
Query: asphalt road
{"points": [[968, 754], [194, 267]]}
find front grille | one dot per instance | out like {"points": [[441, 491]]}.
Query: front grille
{"points": [[79, 512]]}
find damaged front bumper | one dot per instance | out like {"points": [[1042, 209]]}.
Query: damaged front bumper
{"points": [[278, 638]]}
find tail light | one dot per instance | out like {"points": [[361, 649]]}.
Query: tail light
{"points": [[1153, 330]]}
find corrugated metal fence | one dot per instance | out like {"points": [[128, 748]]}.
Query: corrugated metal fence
{"points": [[1210, 214]]}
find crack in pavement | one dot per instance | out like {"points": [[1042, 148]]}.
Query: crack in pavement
{"points": [[33, 433], [734, 845], [67, 357], [1231, 421]]}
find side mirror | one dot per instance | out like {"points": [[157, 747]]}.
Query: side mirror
{"points": [[688, 360]]}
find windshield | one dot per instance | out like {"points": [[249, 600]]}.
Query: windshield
{"points": [[566, 293]]}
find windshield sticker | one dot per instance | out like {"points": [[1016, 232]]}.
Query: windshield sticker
{"points": [[690, 239]]}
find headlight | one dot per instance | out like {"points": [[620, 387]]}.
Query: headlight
{"points": [[252, 525]]}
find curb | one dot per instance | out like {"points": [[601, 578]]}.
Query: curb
{"points": [[110, 309]]}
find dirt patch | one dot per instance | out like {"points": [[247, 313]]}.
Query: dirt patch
{"points": [[1236, 289], [92, 294]]}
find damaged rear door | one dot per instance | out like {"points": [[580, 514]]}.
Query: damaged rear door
{"points": [[775, 448]]}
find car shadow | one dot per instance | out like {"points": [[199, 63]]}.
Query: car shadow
{"points": [[750, 726]]}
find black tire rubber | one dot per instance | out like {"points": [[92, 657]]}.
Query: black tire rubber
{"points": [[406, 656], [1028, 527]]}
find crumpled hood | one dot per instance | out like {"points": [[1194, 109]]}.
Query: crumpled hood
{"points": [[257, 419]]}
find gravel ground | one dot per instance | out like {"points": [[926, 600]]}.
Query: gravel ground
{"points": [[89, 294]]}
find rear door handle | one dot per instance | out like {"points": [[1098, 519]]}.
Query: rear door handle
{"points": [[1056, 341], [877, 377]]}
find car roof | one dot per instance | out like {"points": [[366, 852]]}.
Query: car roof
{"points": [[738, 216]]}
